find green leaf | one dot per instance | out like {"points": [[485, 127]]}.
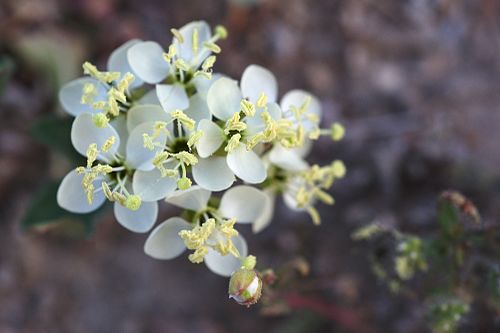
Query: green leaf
{"points": [[55, 132], [448, 219], [44, 211]]}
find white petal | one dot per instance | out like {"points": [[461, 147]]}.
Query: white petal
{"points": [[72, 197], [256, 80], [226, 265], [84, 133], [305, 149], [224, 98], [172, 97], [296, 98], [118, 62], [291, 202], [212, 138], [120, 125], [247, 165], [145, 113], [256, 123], [194, 198], [198, 109], [244, 203], [202, 84], [185, 49], [146, 60], [267, 213], [71, 93], [289, 193], [287, 159], [151, 186], [138, 156], [164, 241], [149, 98], [213, 173], [141, 220]]}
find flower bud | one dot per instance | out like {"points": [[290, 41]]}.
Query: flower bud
{"points": [[245, 286]]}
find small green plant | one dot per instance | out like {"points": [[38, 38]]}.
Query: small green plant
{"points": [[454, 267]]}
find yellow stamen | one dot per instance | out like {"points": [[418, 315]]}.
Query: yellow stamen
{"points": [[100, 120], [177, 35], [212, 47], [195, 40], [108, 144], [180, 116], [133, 202], [233, 143], [247, 107], [262, 100], [221, 31]]}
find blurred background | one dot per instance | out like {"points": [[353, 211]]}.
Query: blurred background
{"points": [[416, 84]]}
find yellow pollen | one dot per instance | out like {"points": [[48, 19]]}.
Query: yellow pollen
{"points": [[233, 143], [247, 107], [180, 116], [133, 202], [172, 51], [181, 64], [186, 158], [262, 100], [100, 120], [234, 124], [194, 138], [108, 144], [208, 63], [184, 183], [91, 154], [195, 40], [89, 93], [105, 77]]}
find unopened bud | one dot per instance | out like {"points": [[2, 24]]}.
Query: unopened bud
{"points": [[245, 286]]}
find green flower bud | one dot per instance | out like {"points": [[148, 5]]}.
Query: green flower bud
{"points": [[245, 286]]}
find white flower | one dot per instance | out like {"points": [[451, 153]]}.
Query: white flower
{"points": [[225, 100], [297, 105], [302, 108], [70, 95], [132, 175], [191, 48], [242, 203]]}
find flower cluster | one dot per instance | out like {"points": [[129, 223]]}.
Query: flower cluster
{"points": [[159, 125]]}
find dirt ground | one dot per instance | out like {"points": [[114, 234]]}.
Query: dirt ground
{"points": [[416, 84]]}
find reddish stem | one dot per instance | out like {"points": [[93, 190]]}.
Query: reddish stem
{"points": [[346, 318]]}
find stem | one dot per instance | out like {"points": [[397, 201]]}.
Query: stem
{"points": [[348, 319]]}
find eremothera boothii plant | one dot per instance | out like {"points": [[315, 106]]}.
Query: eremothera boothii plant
{"points": [[158, 125]]}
